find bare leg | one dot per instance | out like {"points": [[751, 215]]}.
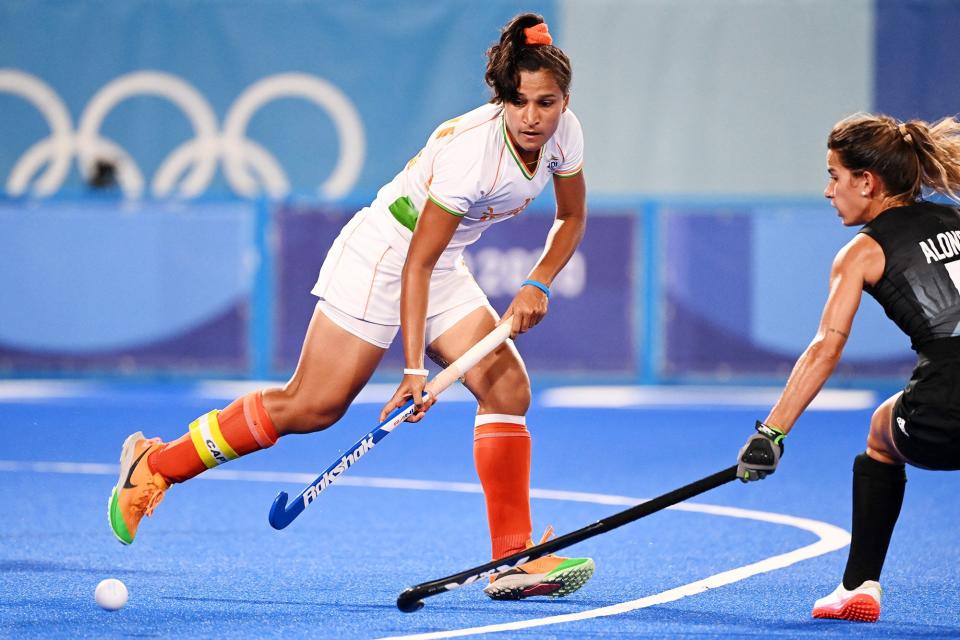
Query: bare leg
{"points": [[334, 366], [499, 382], [880, 445]]}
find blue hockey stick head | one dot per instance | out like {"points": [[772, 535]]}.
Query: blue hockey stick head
{"points": [[279, 518]]}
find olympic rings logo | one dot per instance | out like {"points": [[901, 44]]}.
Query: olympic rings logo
{"points": [[248, 167]]}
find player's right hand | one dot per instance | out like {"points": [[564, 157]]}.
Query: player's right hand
{"points": [[760, 455], [410, 387]]}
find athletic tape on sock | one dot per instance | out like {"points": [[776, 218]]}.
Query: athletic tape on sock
{"points": [[209, 442]]}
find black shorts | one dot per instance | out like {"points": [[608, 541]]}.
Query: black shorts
{"points": [[926, 417]]}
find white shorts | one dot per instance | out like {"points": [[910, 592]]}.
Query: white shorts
{"points": [[359, 286], [382, 335]]}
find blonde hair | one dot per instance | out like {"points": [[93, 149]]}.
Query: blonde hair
{"points": [[907, 156]]}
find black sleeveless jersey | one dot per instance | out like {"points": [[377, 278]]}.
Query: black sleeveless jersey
{"points": [[920, 286]]}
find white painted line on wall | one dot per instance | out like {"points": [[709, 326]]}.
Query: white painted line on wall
{"points": [[15, 390], [577, 396], [631, 397]]}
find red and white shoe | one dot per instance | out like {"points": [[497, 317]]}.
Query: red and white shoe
{"points": [[859, 605]]}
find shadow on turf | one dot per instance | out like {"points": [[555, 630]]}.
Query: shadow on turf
{"points": [[481, 607], [292, 603]]}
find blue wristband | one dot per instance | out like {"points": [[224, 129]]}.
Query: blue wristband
{"points": [[538, 285]]}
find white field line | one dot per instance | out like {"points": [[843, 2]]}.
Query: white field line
{"points": [[830, 537], [370, 394]]}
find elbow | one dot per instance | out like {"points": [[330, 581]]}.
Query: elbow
{"points": [[825, 350], [575, 216], [581, 220]]}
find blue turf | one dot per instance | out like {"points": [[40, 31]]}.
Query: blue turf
{"points": [[208, 563]]}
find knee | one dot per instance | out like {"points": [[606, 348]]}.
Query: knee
{"points": [[880, 437], [509, 393], [317, 417], [293, 412]]}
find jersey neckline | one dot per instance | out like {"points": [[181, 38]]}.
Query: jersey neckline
{"points": [[516, 154]]}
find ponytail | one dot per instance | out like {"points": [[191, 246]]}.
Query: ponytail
{"points": [[938, 151], [525, 45], [907, 156]]}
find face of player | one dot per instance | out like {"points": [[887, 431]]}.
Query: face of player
{"points": [[533, 117], [844, 191]]}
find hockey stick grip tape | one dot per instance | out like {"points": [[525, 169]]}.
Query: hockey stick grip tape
{"points": [[464, 363]]}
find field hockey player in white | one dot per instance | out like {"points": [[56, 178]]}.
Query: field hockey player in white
{"points": [[398, 264]]}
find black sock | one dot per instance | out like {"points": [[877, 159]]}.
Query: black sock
{"points": [[877, 497]]}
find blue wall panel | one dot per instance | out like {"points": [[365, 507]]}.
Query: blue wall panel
{"points": [[917, 75], [96, 287], [318, 104]]}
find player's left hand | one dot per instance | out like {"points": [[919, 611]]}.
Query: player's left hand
{"points": [[528, 308], [410, 387], [760, 455]]}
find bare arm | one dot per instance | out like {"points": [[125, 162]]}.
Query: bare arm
{"points": [[435, 227], [567, 230], [529, 306], [860, 261]]}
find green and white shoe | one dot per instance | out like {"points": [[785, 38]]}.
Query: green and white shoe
{"points": [[551, 575]]}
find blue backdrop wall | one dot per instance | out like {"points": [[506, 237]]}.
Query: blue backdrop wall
{"points": [[242, 134]]}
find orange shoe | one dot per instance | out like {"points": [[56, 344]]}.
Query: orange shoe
{"points": [[859, 605], [551, 575], [138, 491]]}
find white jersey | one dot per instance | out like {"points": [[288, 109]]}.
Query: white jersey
{"points": [[471, 169]]}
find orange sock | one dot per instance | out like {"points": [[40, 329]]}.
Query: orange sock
{"points": [[501, 452], [216, 437]]}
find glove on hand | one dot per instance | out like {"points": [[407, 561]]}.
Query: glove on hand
{"points": [[759, 456]]}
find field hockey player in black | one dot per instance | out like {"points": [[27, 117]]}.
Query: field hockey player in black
{"points": [[907, 256]]}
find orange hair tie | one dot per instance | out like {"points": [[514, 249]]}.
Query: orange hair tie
{"points": [[538, 34]]}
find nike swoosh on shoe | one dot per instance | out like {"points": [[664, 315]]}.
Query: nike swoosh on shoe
{"points": [[126, 483]]}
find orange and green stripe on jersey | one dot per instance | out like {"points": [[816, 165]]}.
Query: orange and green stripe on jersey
{"points": [[516, 154], [569, 174], [404, 212], [209, 442], [445, 207]]}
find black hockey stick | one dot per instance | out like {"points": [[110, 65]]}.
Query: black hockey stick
{"points": [[412, 598]]}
